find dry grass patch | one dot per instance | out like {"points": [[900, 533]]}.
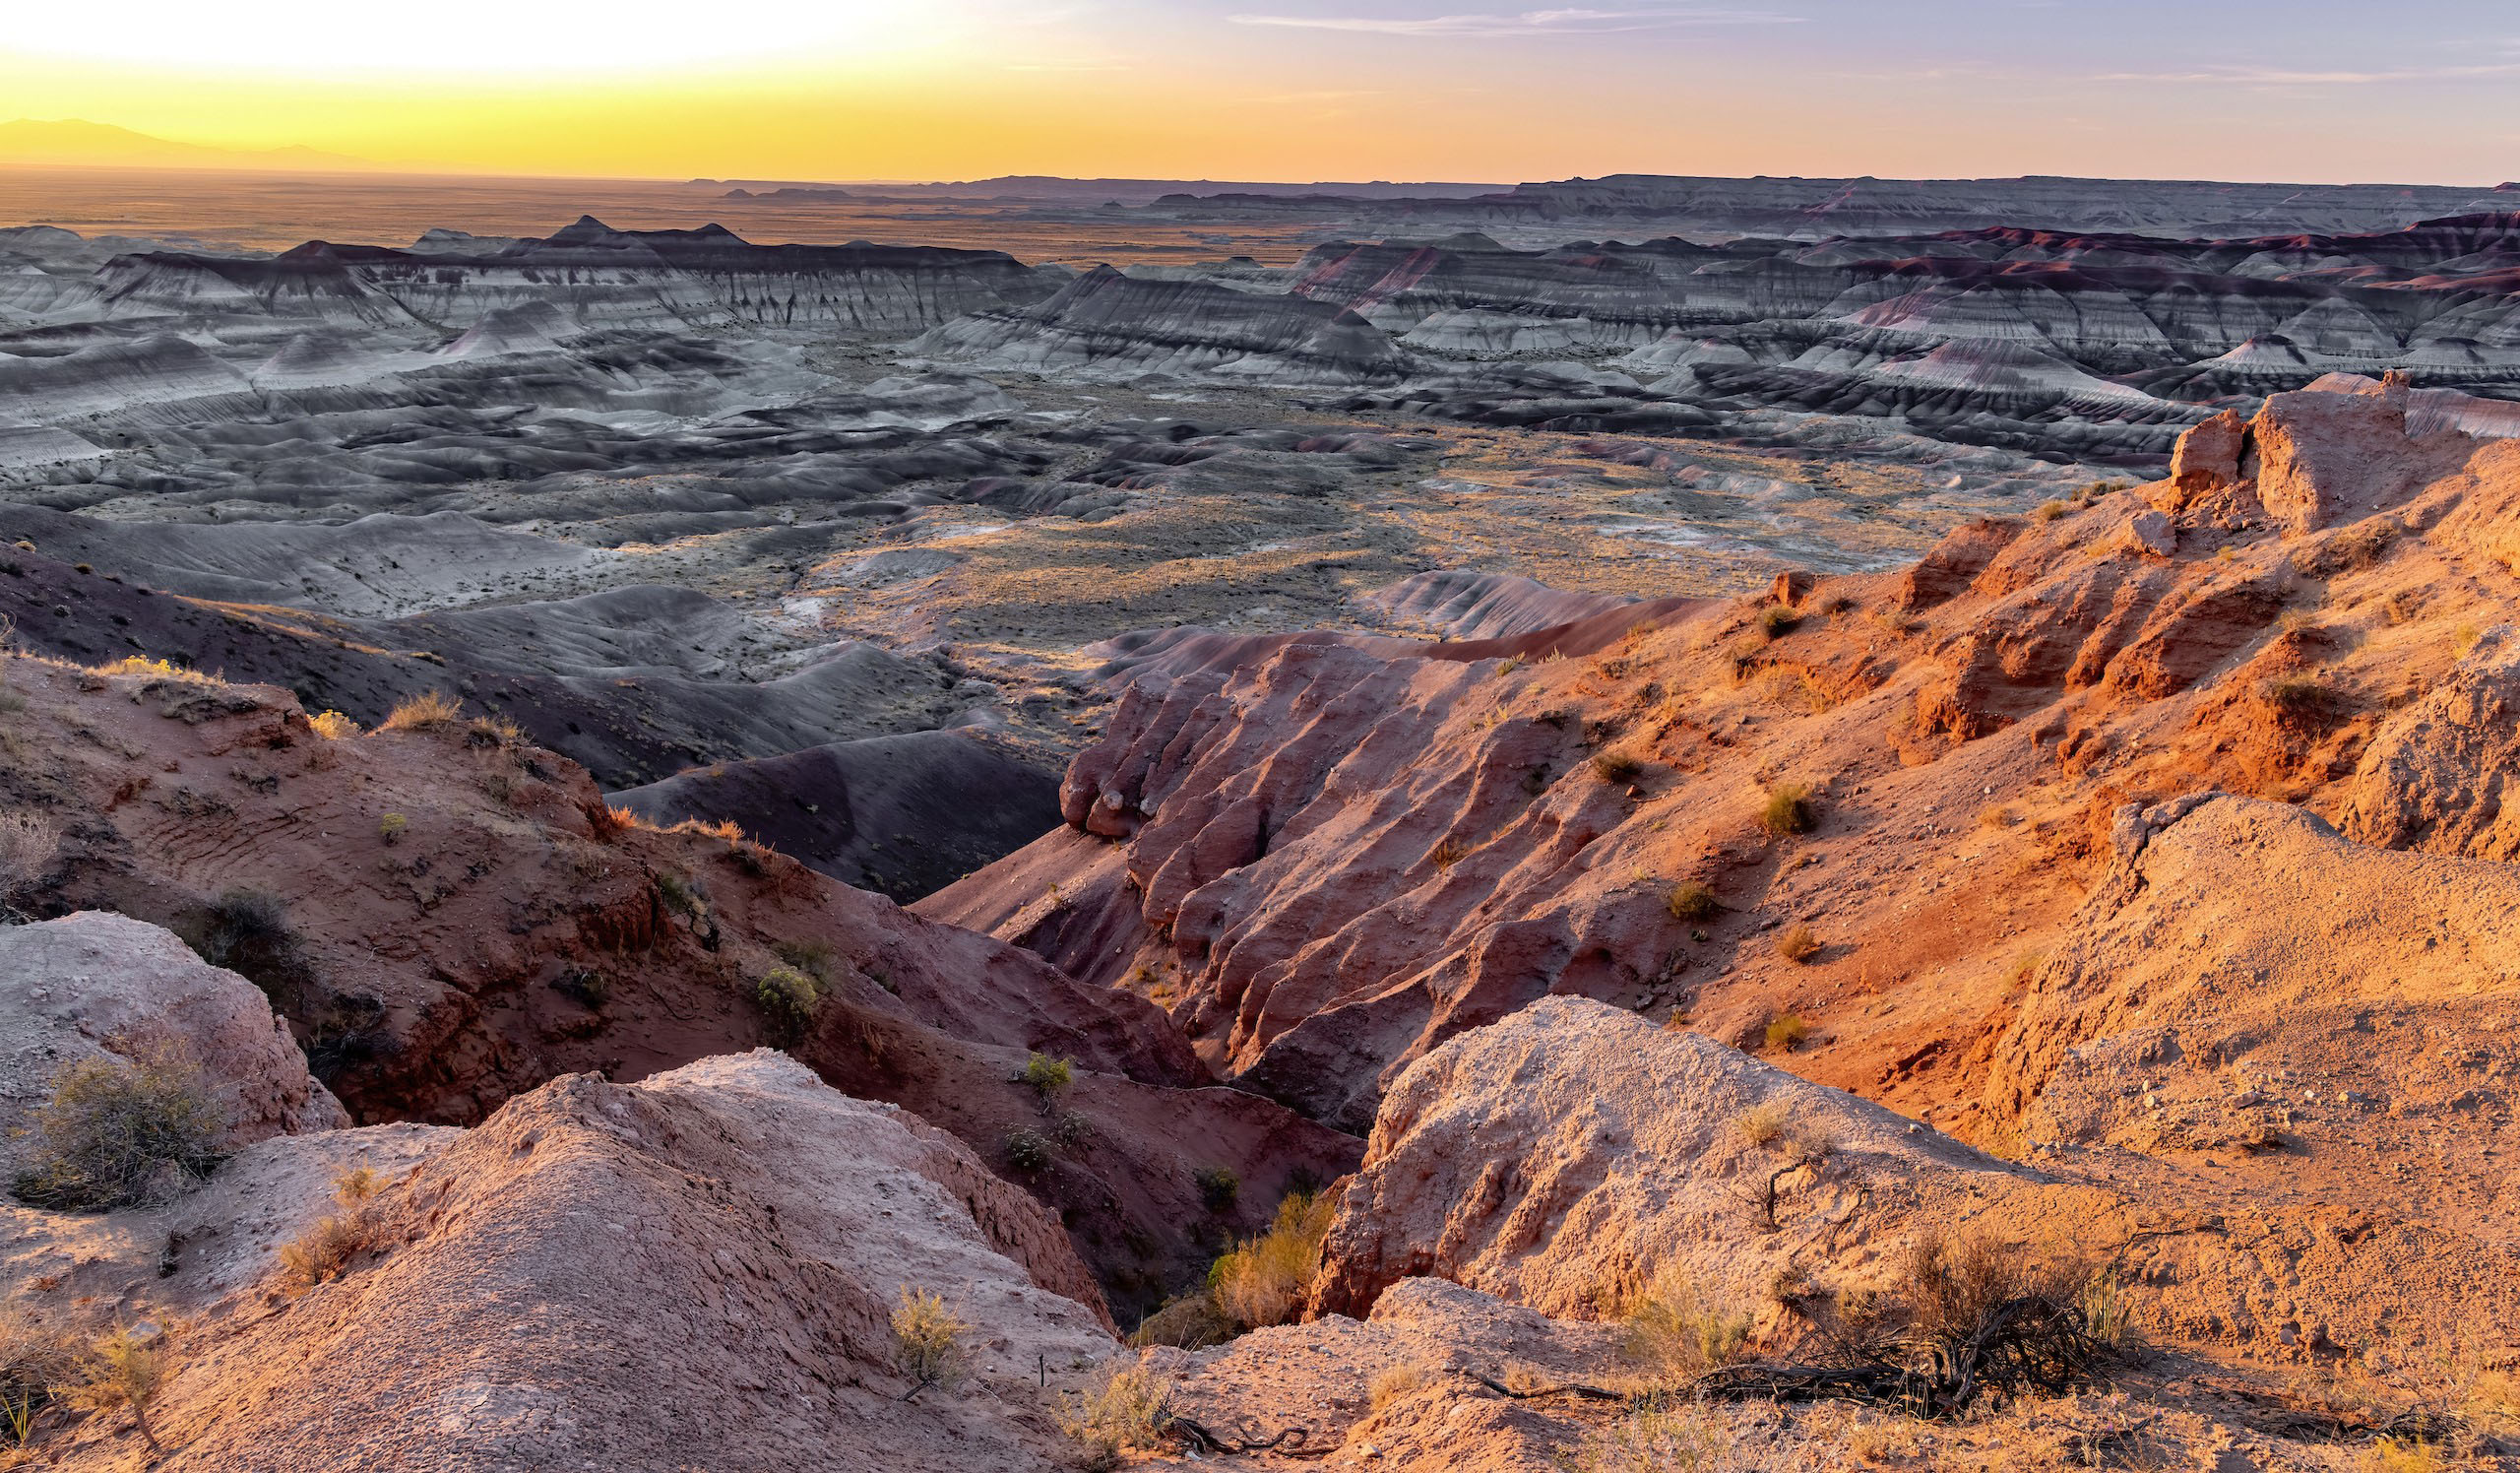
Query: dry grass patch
{"points": [[38, 1366], [323, 1251], [1676, 1328], [1616, 767], [1763, 1124], [429, 711], [1392, 1384], [1798, 945], [1691, 901], [28, 844], [1667, 1437]]}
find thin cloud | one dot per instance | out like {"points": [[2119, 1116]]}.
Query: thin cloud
{"points": [[2250, 76], [1569, 22]]}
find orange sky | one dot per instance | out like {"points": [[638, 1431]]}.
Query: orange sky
{"points": [[1302, 88]]}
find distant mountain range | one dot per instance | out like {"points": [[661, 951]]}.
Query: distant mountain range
{"points": [[1057, 190], [73, 141]]}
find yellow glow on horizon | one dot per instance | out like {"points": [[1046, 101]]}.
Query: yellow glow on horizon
{"points": [[844, 89], [465, 37]]}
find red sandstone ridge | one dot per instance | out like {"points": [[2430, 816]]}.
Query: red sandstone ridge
{"points": [[1327, 861]]}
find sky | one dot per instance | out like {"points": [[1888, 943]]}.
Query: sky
{"points": [[2313, 91]]}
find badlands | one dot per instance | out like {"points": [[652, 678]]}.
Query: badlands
{"points": [[1863, 829]]}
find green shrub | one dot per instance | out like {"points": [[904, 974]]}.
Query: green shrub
{"points": [[122, 1130], [1691, 901], [1029, 1151], [1777, 621], [682, 896], [787, 999], [1786, 1031], [1218, 1186], [1046, 1075]]}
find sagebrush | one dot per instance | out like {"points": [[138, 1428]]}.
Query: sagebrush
{"points": [[119, 1131]]}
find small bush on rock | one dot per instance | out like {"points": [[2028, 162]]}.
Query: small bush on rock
{"points": [[248, 931], [1798, 945], [122, 1130], [325, 1250], [1691, 901], [928, 1342], [124, 1370], [1128, 1410], [27, 844], [1788, 810], [1266, 1280], [1046, 1075], [1029, 1151], [1763, 1124], [1192, 1322], [1676, 1328], [1617, 767], [1218, 1186], [787, 999]]}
